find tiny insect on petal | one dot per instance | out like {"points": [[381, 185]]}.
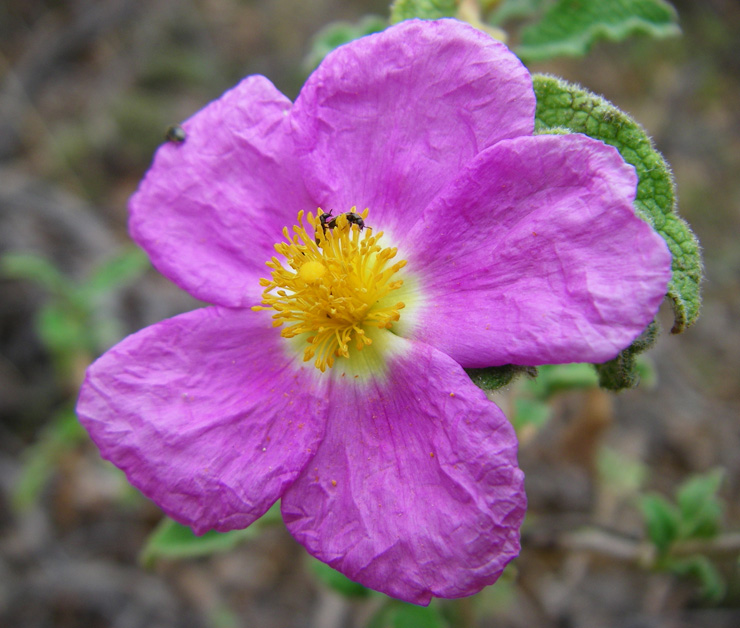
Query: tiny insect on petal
{"points": [[175, 134]]}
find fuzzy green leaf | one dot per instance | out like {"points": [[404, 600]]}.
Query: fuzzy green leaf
{"points": [[623, 371], [496, 377], [569, 27], [425, 9], [563, 105]]}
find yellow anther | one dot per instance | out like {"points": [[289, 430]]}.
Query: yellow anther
{"points": [[330, 285]]}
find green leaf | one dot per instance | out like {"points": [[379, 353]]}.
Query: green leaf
{"points": [[563, 105], [336, 34], [36, 269], [700, 507], [624, 370], [497, 377], [661, 520], [338, 581], [176, 541], [700, 567], [556, 378], [569, 27], [397, 614], [410, 616], [129, 264], [424, 9]]}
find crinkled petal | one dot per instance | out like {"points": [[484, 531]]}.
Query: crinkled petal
{"points": [[535, 256], [210, 209], [207, 415], [387, 120], [415, 489]]}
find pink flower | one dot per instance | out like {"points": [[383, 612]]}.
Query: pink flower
{"points": [[497, 247]]}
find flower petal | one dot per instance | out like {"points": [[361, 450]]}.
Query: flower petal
{"points": [[210, 209], [387, 120], [415, 489], [206, 414], [535, 256]]}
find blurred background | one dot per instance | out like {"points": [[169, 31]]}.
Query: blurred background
{"points": [[87, 88]]}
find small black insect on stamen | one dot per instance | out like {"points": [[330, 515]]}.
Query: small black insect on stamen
{"points": [[327, 221], [355, 219], [326, 216], [175, 134]]}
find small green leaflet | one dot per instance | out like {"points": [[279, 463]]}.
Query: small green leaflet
{"points": [[424, 9], [700, 508], [569, 27], [175, 541], [561, 105], [662, 521], [695, 514]]}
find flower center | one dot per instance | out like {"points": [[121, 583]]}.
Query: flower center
{"points": [[333, 284]]}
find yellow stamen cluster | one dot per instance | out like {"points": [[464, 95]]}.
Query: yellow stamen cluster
{"points": [[330, 286]]}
